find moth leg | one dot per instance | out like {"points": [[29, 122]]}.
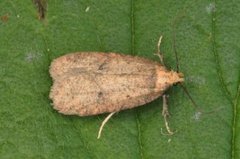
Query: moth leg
{"points": [[158, 50], [165, 115], [103, 123]]}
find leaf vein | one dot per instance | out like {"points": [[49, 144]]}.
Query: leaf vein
{"points": [[222, 82], [139, 136]]}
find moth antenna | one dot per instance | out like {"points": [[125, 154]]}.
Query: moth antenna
{"points": [[174, 47], [190, 97], [177, 19], [177, 64]]}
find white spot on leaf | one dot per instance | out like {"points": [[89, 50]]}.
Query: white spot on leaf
{"points": [[211, 8], [87, 9], [197, 116], [197, 80], [31, 56]]}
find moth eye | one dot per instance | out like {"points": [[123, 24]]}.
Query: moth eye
{"points": [[175, 84]]}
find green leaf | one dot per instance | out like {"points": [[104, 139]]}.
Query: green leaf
{"points": [[207, 42]]}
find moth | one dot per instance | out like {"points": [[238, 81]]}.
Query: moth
{"points": [[92, 83]]}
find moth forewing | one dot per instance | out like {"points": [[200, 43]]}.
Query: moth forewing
{"points": [[91, 83]]}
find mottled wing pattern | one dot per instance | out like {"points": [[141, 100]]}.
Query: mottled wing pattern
{"points": [[95, 83]]}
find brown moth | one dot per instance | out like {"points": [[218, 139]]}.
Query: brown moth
{"points": [[91, 83]]}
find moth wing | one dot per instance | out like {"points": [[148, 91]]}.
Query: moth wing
{"points": [[94, 83]]}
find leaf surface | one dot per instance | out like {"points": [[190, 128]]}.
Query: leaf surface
{"points": [[207, 43]]}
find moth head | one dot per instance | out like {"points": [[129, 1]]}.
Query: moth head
{"points": [[167, 78], [175, 77]]}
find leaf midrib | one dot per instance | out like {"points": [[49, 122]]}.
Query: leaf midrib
{"points": [[233, 102]]}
